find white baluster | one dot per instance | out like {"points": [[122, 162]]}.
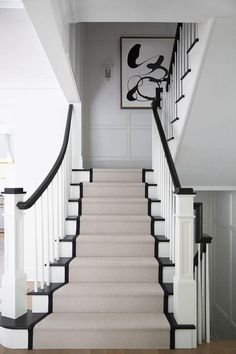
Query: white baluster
{"points": [[41, 237], [203, 298], [173, 226], [199, 296], [63, 197], [47, 237], [59, 203], [56, 222], [208, 338], [35, 248], [52, 223]]}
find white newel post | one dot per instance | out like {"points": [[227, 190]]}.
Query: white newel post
{"points": [[14, 285], [184, 283]]}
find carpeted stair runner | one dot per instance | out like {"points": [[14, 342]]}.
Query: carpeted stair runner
{"points": [[113, 299]]}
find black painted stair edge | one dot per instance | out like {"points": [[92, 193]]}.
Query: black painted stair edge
{"points": [[174, 326], [26, 321], [77, 219], [174, 120], [158, 239], [168, 290], [90, 170], [150, 201], [192, 45], [180, 98], [144, 170], [185, 74], [153, 219], [72, 239], [147, 185], [47, 291], [81, 188], [163, 262]]}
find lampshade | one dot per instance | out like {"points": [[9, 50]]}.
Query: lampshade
{"points": [[5, 150]]}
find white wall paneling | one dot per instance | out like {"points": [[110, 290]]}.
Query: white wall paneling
{"points": [[219, 210], [224, 270], [113, 137]]}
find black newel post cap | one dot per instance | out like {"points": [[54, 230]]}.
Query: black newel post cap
{"points": [[184, 191], [13, 191]]}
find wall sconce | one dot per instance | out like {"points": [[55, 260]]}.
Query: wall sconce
{"points": [[5, 149], [108, 65]]}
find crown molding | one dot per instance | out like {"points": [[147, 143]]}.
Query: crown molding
{"points": [[11, 4]]}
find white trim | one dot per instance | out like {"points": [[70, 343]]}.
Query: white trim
{"points": [[11, 4], [212, 188], [28, 85]]}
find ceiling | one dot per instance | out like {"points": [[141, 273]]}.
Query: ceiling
{"points": [[145, 11], [138, 10]]}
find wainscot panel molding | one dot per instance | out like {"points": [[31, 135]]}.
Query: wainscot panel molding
{"points": [[113, 137]]}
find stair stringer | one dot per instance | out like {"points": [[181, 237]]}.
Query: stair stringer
{"points": [[190, 82]]}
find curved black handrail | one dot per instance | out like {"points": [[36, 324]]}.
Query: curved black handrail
{"points": [[44, 185], [169, 159]]}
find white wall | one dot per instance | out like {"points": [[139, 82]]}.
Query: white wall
{"points": [[219, 209], [114, 137], [32, 106], [206, 155]]}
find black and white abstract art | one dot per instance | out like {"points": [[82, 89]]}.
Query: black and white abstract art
{"points": [[144, 65]]}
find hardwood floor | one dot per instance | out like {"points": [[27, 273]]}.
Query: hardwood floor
{"points": [[216, 347]]}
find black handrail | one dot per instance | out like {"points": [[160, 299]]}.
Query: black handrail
{"points": [[200, 237], [169, 159], [44, 185]]}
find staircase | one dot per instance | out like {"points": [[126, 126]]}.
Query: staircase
{"points": [[113, 266], [113, 298]]}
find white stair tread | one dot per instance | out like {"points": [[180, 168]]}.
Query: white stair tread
{"points": [[115, 239], [114, 200], [103, 321], [109, 289], [113, 262], [115, 218]]}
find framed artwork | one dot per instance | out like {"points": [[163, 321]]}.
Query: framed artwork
{"points": [[144, 64]]}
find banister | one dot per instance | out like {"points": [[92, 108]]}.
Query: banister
{"points": [[169, 159], [48, 179]]}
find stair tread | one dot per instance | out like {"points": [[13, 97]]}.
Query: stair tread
{"points": [[103, 321], [114, 235], [110, 289], [102, 170], [113, 184], [115, 239], [113, 262], [122, 218], [115, 200]]}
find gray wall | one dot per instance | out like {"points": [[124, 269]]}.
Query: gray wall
{"points": [[113, 137]]}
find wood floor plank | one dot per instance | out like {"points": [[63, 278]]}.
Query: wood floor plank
{"points": [[216, 347]]}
